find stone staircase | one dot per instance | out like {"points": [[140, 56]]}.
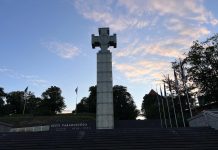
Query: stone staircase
{"points": [[201, 138]]}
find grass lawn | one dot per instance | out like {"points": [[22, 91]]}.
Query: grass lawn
{"points": [[30, 120]]}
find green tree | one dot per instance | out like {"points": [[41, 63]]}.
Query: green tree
{"points": [[88, 104], [202, 67], [2, 102], [32, 103], [52, 101], [91, 100], [150, 105], [176, 65], [15, 102], [83, 106], [171, 84], [124, 106]]}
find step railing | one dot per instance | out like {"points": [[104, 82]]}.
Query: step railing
{"points": [[207, 118]]}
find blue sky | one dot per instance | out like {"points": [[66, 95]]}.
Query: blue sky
{"points": [[48, 42]]}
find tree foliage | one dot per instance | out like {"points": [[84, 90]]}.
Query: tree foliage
{"points": [[92, 99], [202, 67], [182, 85], [83, 106], [150, 105], [2, 97], [52, 101], [32, 103], [15, 102], [124, 106], [88, 104]]}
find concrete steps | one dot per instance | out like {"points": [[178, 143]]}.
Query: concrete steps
{"points": [[124, 139]]}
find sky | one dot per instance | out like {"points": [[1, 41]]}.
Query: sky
{"points": [[47, 43]]}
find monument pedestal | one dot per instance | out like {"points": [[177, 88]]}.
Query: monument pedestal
{"points": [[105, 115]]}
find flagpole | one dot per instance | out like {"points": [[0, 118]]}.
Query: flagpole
{"points": [[167, 106], [174, 110], [76, 104], [24, 107], [163, 108], [159, 108], [24, 98], [76, 90], [177, 90], [181, 110], [185, 86]]}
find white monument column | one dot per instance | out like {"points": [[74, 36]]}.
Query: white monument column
{"points": [[105, 110]]}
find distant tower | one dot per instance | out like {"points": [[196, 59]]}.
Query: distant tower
{"points": [[105, 110]]}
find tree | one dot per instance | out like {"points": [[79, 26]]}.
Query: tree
{"points": [[83, 107], [15, 102], [32, 103], [182, 85], [2, 98], [182, 81], [91, 101], [150, 105], [202, 67], [52, 101], [124, 106]]}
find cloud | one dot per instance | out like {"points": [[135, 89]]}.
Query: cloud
{"points": [[38, 82], [62, 49], [4, 70], [186, 29], [187, 9], [32, 79], [101, 12], [168, 48], [127, 14], [143, 70], [185, 17]]}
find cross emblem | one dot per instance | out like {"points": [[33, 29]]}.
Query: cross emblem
{"points": [[104, 40]]}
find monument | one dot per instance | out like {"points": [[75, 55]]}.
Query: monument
{"points": [[104, 110]]}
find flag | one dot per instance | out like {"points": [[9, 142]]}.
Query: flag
{"points": [[165, 93], [169, 83], [176, 80], [76, 90], [25, 91], [182, 71]]}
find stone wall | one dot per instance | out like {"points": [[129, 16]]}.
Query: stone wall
{"points": [[5, 127], [205, 119]]}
